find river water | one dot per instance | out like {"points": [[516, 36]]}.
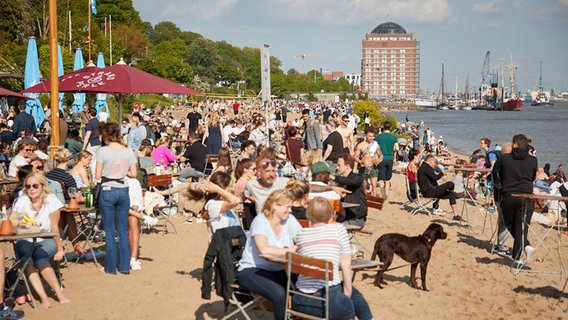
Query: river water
{"points": [[462, 130]]}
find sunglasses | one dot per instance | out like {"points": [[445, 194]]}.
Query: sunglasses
{"points": [[29, 186], [28, 150], [39, 167], [266, 164]]}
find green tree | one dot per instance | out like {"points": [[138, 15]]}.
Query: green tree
{"points": [[203, 57]]}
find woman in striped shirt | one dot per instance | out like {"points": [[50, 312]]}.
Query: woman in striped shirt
{"points": [[328, 241]]}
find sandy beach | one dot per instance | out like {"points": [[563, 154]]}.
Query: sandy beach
{"points": [[465, 280]]}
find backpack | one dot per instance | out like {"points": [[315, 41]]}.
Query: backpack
{"points": [[487, 161]]}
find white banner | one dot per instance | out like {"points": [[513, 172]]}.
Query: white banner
{"points": [[265, 72]]}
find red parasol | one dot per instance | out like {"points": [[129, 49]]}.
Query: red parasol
{"points": [[11, 94]]}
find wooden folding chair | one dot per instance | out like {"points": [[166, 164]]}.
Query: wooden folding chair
{"points": [[210, 159], [156, 181], [305, 223], [311, 267], [364, 236]]}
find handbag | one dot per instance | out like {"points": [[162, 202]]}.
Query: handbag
{"points": [[96, 191]]}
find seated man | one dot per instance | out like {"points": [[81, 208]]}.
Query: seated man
{"points": [[195, 155], [353, 182], [428, 175]]}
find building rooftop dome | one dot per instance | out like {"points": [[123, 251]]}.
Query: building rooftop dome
{"points": [[388, 28]]}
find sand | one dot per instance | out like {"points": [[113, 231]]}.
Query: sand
{"points": [[465, 280]]}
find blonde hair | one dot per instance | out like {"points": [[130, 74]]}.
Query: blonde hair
{"points": [[313, 156], [276, 198], [62, 155], [45, 190], [82, 155], [164, 140], [319, 210], [297, 189]]}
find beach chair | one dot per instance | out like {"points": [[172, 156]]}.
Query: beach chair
{"points": [[414, 198], [154, 180], [210, 160], [364, 236], [311, 267]]}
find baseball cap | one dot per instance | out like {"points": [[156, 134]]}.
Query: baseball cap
{"points": [[321, 166]]}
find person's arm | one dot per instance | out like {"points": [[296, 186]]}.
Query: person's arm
{"points": [[54, 220], [327, 152], [345, 268], [265, 248], [205, 134], [357, 155], [133, 171], [86, 139], [98, 170], [354, 180], [170, 156], [231, 200], [302, 155]]}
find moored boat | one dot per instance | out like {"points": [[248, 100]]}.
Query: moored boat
{"points": [[541, 99], [513, 104]]}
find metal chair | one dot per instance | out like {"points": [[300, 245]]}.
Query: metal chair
{"points": [[415, 198], [310, 267], [162, 180]]}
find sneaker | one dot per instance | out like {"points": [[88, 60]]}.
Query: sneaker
{"points": [[518, 263], [502, 251], [135, 264], [529, 250], [9, 313], [150, 221], [438, 212], [458, 218]]}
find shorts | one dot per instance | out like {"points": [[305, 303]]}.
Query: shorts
{"points": [[369, 172], [385, 170]]}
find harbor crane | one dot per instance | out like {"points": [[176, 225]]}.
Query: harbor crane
{"points": [[303, 57]]}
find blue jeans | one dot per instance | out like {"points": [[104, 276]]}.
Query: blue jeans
{"points": [[43, 252], [340, 306], [269, 284], [114, 204]]}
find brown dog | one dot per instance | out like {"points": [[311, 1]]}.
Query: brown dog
{"points": [[412, 249]]}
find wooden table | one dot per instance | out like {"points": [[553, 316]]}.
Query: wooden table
{"points": [[8, 182], [20, 264]]}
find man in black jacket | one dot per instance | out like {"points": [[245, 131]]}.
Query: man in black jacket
{"points": [[353, 183], [428, 175], [23, 121], [517, 172]]}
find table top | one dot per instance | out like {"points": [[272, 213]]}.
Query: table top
{"points": [[15, 237], [9, 180], [79, 209], [530, 196]]}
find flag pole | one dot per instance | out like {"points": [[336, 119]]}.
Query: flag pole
{"points": [[70, 33], [89, 27], [54, 88], [110, 39]]}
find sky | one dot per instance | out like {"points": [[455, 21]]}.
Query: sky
{"points": [[455, 32]]}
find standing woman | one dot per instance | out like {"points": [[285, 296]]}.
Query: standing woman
{"points": [[270, 233], [113, 163], [37, 206], [214, 134], [293, 148]]}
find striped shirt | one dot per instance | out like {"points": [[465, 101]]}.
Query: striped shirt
{"points": [[60, 175], [328, 242]]}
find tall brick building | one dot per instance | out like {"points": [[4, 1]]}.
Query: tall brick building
{"points": [[390, 66]]}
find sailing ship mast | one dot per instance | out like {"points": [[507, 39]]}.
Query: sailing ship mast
{"points": [[443, 92], [512, 69]]}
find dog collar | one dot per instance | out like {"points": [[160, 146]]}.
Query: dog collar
{"points": [[429, 240]]}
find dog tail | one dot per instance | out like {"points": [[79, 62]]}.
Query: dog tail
{"points": [[375, 252]]}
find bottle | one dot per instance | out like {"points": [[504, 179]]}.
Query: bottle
{"points": [[88, 198]]}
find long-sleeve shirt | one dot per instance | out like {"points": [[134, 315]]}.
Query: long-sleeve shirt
{"points": [[354, 183], [163, 153], [427, 177]]}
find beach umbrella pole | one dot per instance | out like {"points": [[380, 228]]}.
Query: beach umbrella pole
{"points": [[54, 89]]}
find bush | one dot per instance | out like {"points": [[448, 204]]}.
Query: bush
{"points": [[360, 107]]}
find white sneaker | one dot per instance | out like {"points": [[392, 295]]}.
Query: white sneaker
{"points": [[150, 221], [438, 212], [135, 264], [529, 250]]}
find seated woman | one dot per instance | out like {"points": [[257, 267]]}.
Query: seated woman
{"points": [[219, 201], [270, 233], [245, 171], [224, 164], [412, 173], [162, 154], [328, 241], [299, 192], [39, 208], [80, 169], [145, 160]]}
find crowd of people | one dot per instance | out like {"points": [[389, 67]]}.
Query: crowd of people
{"points": [[269, 171]]}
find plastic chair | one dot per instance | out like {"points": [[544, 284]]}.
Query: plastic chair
{"points": [[311, 267]]}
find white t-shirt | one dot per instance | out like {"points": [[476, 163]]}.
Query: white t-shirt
{"points": [[218, 219], [329, 195], [103, 116], [259, 194], [135, 193], [15, 164], [260, 226], [41, 217]]}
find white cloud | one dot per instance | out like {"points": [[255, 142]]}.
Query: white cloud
{"points": [[498, 6], [200, 9], [342, 12]]}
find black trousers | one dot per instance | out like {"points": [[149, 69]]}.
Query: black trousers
{"points": [[514, 215], [443, 191]]}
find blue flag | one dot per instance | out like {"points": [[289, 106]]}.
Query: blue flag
{"points": [[93, 7]]}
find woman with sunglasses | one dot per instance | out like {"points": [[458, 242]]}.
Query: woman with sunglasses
{"points": [[270, 233], [114, 162], [39, 208], [23, 151]]}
